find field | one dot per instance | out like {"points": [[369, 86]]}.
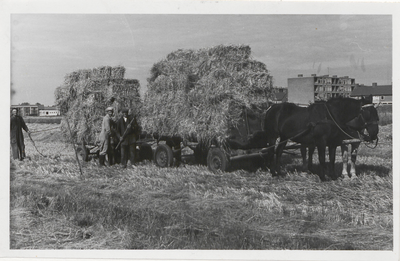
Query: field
{"points": [[53, 206], [43, 120]]}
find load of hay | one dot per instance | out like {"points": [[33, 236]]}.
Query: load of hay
{"points": [[200, 94], [85, 94]]}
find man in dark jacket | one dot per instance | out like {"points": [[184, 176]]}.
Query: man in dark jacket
{"points": [[17, 138], [127, 132]]}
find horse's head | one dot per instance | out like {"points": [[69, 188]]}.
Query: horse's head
{"points": [[371, 119], [367, 121]]}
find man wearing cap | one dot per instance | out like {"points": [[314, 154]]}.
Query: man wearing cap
{"points": [[127, 131], [17, 123], [105, 135]]}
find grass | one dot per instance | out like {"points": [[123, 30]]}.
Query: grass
{"points": [[385, 114], [188, 207]]}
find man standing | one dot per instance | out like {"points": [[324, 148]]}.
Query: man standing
{"points": [[127, 131], [105, 135], [17, 138]]}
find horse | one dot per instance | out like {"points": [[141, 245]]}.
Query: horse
{"points": [[318, 125], [355, 130]]}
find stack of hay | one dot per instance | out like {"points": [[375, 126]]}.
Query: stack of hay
{"points": [[86, 94], [201, 94]]}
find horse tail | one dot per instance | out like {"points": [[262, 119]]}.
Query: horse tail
{"points": [[270, 123]]}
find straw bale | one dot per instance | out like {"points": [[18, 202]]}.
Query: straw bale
{"points": [[203, 92], [86, 93]]}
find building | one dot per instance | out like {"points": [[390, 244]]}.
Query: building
{"points": [[305, 90], [380, 93], [48, 111], [36, 110], [27, 110]]}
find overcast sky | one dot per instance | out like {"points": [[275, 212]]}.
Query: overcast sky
{"points": [[45, 47]]}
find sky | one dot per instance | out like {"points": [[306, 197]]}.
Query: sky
{"points": [[46, 47]]}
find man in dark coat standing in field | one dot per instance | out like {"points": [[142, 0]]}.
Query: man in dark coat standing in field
{"points": [[17, 138], [127, 132]]}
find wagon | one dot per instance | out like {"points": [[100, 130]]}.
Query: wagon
{"points": [[243, 142]]}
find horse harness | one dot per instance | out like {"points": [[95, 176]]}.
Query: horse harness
{"points": [[364, 125], [367, 123]]}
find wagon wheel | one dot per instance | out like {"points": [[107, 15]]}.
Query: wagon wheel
{"points": [[83, 153], [217, 160], [163, 156], [145, 152]]}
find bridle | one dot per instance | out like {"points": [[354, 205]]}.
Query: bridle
{"points": [[365, 123]]}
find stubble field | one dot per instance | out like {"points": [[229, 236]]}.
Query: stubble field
{"points": [[53, 206]]}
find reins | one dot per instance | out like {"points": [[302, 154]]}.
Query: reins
{"points": [[348, 135], [359, 135], [281, 142]]}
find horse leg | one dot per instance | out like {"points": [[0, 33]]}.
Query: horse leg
{"points": [[311, 149], [303, 150], [354, 150], [307, 165], [321, 157], [332, 157], [270, 157], [279, 151], [345, 157]]}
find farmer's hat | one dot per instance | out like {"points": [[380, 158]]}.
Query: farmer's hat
{"points": [[109, 109]]}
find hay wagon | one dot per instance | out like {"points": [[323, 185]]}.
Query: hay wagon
{"points": [[211, 98], [244, 142]]}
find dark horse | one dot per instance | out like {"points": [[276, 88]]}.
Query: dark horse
{"points": [[319, 125], [354, 131]]}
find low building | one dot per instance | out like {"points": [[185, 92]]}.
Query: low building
{"points": [[27, 110], [49, 111], [305, 90], [380, 93]]}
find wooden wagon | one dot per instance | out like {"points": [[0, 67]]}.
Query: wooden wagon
{"points": [[242, 142]]}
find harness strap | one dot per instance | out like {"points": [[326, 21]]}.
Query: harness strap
{"points": [[281, 142], [339, 126]]}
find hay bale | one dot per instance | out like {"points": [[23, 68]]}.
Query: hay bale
{"points": [[85, 94], [202, 93]]}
